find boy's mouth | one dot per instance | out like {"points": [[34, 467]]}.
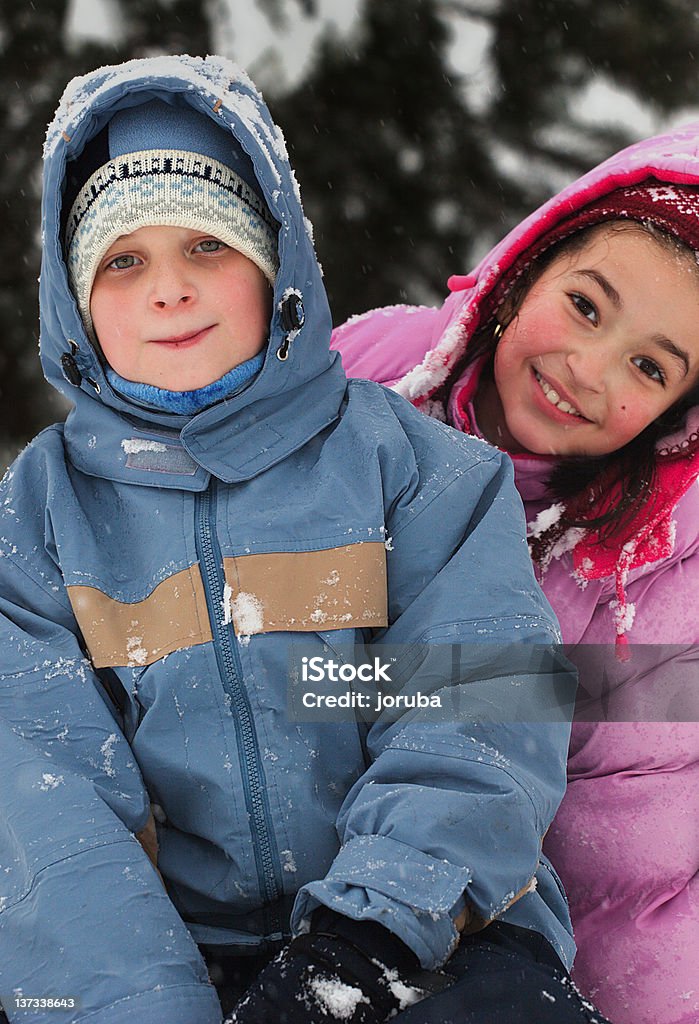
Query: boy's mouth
{"points": [[555, 399], [180, 340]]}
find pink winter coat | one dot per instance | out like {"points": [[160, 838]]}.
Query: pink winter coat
{"points": [[626, 838]]}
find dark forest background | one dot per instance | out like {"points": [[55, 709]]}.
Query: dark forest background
{"points": [[401, 174]]}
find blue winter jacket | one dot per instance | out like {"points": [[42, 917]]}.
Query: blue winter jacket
{"points": [[154, 569]]}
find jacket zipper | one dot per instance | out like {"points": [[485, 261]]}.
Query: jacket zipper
{"points": [[227, 657]]}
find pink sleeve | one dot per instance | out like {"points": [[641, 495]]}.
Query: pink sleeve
{"points": [[384, 344]]}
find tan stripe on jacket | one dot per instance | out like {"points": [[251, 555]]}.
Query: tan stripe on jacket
{"points": [[306, 591]]}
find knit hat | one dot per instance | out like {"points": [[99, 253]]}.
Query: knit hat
{"points": [[158, 164], [673, 208]]}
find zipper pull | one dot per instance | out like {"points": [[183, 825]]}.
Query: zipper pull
{"points": [[293, 317]]}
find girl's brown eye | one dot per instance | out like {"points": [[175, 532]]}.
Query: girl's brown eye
{"points": [[585, 307], [650, 368]]}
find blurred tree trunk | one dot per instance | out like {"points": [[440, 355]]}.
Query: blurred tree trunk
{"points": [[28, 94], [394, 168]]}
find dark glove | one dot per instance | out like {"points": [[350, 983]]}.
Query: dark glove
{"points": [[353, 972]]}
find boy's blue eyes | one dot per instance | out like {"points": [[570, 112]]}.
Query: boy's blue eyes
{"points": [[128, 260], [210, 245]]}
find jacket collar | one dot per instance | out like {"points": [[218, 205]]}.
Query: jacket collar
{"points": [[224, 441]]}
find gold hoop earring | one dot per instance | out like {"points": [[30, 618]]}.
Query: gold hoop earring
{"points": [[498, 331]]}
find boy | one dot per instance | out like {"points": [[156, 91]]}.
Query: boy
{"points": [[217, 491]]}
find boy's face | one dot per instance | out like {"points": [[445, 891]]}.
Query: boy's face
{"points": [[178, 308]]}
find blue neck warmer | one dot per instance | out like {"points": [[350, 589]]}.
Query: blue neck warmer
{"points": [[187, 402]]}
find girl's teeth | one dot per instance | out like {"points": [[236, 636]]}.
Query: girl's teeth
{"points": [[554, 398]]}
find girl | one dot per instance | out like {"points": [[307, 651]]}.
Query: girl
{"points": [[574, 346]]}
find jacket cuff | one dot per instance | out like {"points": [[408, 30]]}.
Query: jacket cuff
{"points": [[413, 895]]}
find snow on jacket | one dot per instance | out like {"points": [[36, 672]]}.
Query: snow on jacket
{"points": [[626, 839], [154, 569]]}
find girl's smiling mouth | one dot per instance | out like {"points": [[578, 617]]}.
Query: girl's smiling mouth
{"points": [[552, 397]]}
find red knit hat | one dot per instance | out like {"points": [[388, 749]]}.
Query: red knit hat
{"points": [[673, 208]]}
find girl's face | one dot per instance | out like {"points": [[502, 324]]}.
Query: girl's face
{"points": [[604, 342]]}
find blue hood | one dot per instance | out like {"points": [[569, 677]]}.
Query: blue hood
{"points": [[304, 391]]}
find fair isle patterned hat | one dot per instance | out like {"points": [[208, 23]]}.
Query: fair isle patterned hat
{"points": [[159, 164]]}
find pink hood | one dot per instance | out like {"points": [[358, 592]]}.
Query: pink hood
{"points": [[671, 158], [419, 353]]}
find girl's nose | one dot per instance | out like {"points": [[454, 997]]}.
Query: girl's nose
{"points": [[589, 367], [171, 287]]}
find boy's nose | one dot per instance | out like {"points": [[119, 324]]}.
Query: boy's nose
{"points": [[171, 288]]}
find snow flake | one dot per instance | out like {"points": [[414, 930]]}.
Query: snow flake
{"points": [[107, 750], [547, 518], [136, 651], [227, 601], [289, 862], [49, 782], [623, 616], [405, 995]]}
